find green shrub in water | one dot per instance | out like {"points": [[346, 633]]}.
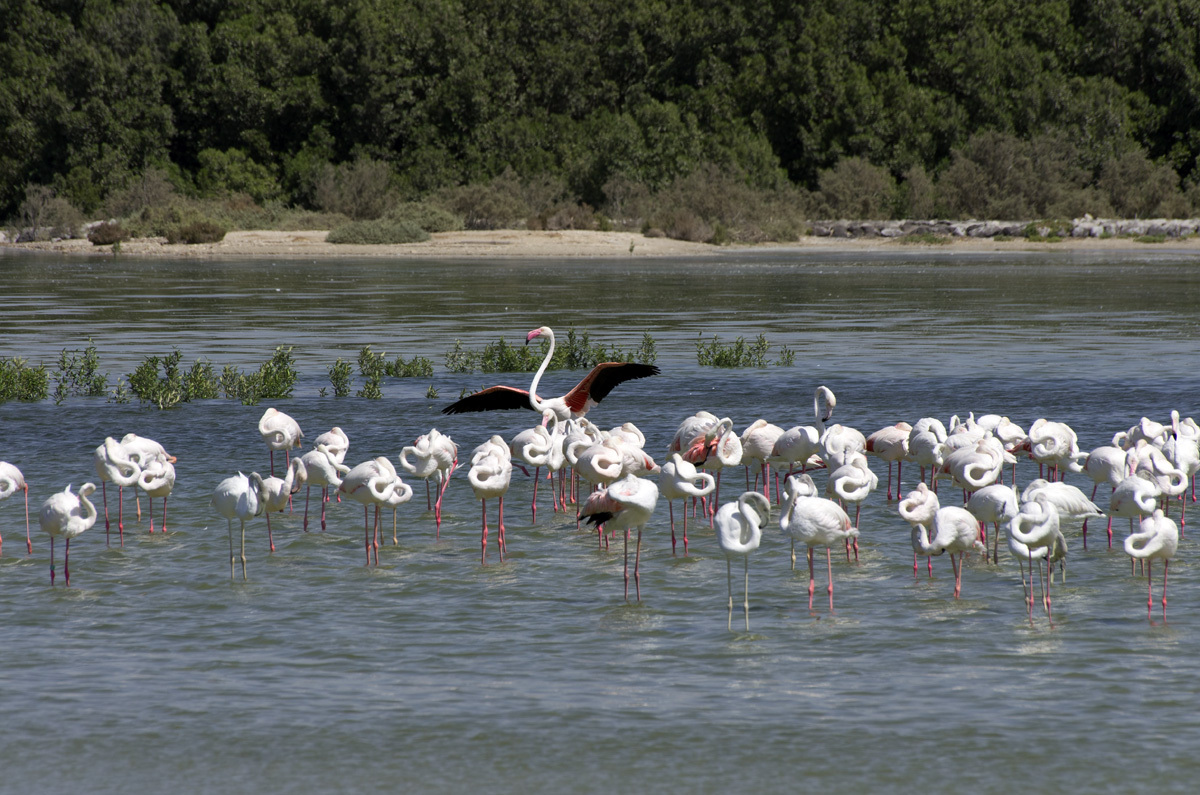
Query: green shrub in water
{"points": [[19, 381]]}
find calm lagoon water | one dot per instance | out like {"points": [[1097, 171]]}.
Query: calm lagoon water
{"points": [[154, 672]]}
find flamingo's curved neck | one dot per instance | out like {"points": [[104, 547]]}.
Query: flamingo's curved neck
{"points": [[534, 400]]}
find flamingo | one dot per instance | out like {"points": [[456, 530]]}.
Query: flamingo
{"points": [[1134, 497], [594, 387], [839, 443], [802, 442], [718, 448], [239, 497], [1070, 501], [67, 515], [926, 444], [1041, 518], [677, 479], [114, 465], [532, 446], [814, 521], [322, 469], [953, 530], [277, 491], [1056, 445], [976, 465], [692, 430], [338, 443], [918, 506], [627, 503], [852, 482], [12, 481], [490, 476], [157, 479], [371, 483], [1158, 537], [739, 532], [401, 494], [891, 445], [143, 452], [1183, 451], [280, 432], [758, 444], [997, 504], [436, 456]]}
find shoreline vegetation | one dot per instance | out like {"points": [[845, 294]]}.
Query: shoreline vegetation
{"points": [[386, 122], [566, 244]]}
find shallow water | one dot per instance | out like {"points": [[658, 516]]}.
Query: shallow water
{"points": [[431, 672]]}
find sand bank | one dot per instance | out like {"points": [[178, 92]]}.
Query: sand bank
{"points": [[527, 245]]}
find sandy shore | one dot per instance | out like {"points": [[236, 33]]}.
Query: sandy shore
{"points": [[528, 245]]}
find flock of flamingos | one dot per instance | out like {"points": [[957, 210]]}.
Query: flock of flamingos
{"points": [[1146, 467]]}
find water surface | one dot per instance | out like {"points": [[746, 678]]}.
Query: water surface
{"points": [[433, 673]]}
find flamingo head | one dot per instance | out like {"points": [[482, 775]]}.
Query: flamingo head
{"points": [[537, 332]]}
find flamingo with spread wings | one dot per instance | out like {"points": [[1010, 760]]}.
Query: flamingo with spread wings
{"points": [[594, 387]]}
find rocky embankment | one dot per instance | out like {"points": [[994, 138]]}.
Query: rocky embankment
{"points": [[1079, 228]]}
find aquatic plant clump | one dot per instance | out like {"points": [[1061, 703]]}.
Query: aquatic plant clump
{"points": [[19, 381], [78, 374]]}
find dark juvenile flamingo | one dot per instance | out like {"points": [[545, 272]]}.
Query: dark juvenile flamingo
{"points": [[573, 405]]}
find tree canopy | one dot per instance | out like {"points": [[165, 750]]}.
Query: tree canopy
{"points": [[261, 96]]}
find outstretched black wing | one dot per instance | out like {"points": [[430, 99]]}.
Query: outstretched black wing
{"points": [[494, 398]]}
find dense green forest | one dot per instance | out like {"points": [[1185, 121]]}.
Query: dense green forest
{"points": [[574, 113]]}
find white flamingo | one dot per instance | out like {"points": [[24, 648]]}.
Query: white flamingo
{"points": [[277, 491], [739, 532], [758, 445], [594, 387], [1134, 497], [280, 432], [926, 444], [114, 465], [815, 522], [67, 515], [1034, 534], [435, 456], [1056, 445], [532, 447], [677, 479], [627, 503], [324, 470], [996, 504], [12, 481], [371, 483], [939, 529], [490, 475], [239, 497], [1157, 538], [891, 445], [852, 483], [157, 479], [1070, 501], [802, 442]]}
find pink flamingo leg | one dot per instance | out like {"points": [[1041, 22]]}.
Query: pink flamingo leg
{"points": [[28, 540], [375, 542], [164, 521], [637, 562], [812, 580], [829, 565], [671, 512], [367, 533], [483, 542], [151, 515], [103, 491], [1150, 591], [67, 563], [270, 537], [685, 538], [536, 472], [1166, 564], [121, 513], [324, 502], [626, 565], [500, 540]]}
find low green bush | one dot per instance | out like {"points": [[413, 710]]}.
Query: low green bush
{"points": [[427, 216], [19, 381], [107, 233], [374, 233], [195, 232]]}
